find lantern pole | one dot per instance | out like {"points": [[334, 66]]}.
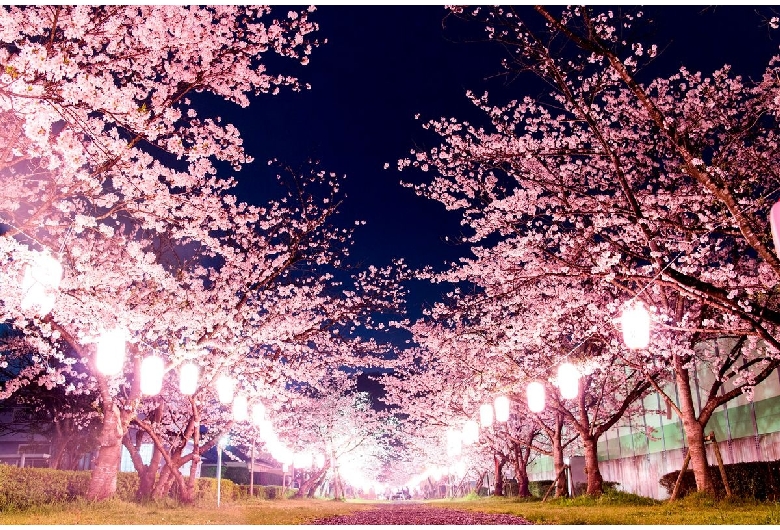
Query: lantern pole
{"points": [[252, 472]]}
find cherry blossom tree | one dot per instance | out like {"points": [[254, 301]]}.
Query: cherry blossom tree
{"points": [[644, 185], [109, 166]]}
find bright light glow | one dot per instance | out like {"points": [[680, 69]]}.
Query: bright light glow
{"points": [[568, 381], [486, 415], [436, 473], [188, 379], [258, 414], [635, 322], [152, 371], [285, 468], [453, 442], [774, 223], [319, 460], [502, 408], [240, 412], [40, 283], [303, 460], [535, 393], [470, 432], [225, 386], [224, 441], [459, 469], [110, 355]]}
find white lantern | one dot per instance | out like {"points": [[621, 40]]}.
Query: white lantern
{"points": [[225, 386], [535, 393], [110, 355], [319, 460], [453, 442], [188, 379], [636, 326], [285, 468], [470, 432], [568, 381], [240, 408], [486, 415], [774, 223], [40, 283], [303, 460], [258, 414], [152, 371], [502, 408], [224, 441]]}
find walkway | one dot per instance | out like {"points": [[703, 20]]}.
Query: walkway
{"points": [[420, 514]]}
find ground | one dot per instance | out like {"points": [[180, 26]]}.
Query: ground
{"points": [[419, 514]]}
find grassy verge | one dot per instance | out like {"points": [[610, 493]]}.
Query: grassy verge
{"points": [[248, 512], [625, 509]]}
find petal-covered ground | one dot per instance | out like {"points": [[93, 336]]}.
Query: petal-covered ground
{"points": [[420, 514]]}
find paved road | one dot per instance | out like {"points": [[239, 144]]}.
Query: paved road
{"points": [[420, 514]]}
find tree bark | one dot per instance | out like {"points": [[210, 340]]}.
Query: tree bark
{"points": [[694, 431], [557, 454], [102, 483], [595, 480], [498, 467]]}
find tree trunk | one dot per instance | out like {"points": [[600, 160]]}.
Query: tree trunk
{"points": [[694, 431], [557, 454], [102, 484], [595, 480], [498, 467], [521, 472]]}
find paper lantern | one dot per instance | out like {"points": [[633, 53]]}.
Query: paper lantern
{"points": [[568, 381], [110, 355], [502, 408], [258, 414], [454, 442], [240, 412], [152, 371], [470, 432], [636, 326], [319, 460], [225, 386], [303, 460], [535, 393], [40, 283], [486, 415], [774, 223], [188, 379]]}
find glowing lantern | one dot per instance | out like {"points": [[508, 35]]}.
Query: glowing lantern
{"points": [[40, 283], [319, 460], [486, 415], [470, 432], [502, 408], [774, 223], [240, 408], [258, 414], [636, 326], [152, 370], [535, 393], [568, 381], [225, 387], [303, 460], [453, 442], [285, 468], [188, 379], [110, 356]]}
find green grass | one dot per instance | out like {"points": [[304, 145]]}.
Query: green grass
{"points": [[247, 512], [625, 509], [612, 508]]}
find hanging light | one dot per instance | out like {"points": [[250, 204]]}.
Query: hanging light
{"points": [[110, 355], [535, 393], [319, 460], [636, 326], [453, 442], [303, 460], [258, 414], [152, 371], [502, 408], [225, 385], [486, 415], [568, 381], [774, 223], [188, 379], [40, 283], [240, 408], [470, 432]]}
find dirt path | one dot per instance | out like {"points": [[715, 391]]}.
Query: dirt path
{"points": [[420, 514]]}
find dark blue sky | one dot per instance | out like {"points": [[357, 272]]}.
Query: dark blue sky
{"points": [[382, 65]]}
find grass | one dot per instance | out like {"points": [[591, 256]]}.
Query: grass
{"points": [[616, 508], [612, 508], [247, 512]]}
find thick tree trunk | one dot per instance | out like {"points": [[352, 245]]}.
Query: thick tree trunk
{"points": [[557, 454], [694, 431], [102, 483], [595, 480]]}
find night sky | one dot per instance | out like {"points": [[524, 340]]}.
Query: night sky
{"points": [[382, 65]]}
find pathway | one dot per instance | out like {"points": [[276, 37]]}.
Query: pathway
{"points": [[420, 514]]}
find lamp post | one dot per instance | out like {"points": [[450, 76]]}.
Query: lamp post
{"points": [[221, 444]]}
